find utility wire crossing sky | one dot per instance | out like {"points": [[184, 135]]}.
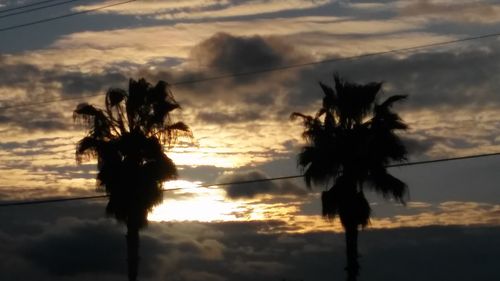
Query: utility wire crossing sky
{"points": [[57, 200], [63, 16], [280, 68]]}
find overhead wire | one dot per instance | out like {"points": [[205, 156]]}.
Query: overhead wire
{"points": [[37, 9], [274, 69], [26, 6], [58, 200], [219, 77], [64, 16]]}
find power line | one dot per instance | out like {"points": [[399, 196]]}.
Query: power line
{"points": [[279, 68], [36, 9], [64, 16], [26, 6], [54, 200], [58, 200], [443, 160]]}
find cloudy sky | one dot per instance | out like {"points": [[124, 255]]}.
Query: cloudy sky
{"points": [[272, 230]]}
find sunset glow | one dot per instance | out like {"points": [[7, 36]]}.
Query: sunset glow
{"points": [[217, 82]]}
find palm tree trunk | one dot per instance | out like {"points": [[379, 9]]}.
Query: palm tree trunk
{"points": [[132, 250], [351, 239]]}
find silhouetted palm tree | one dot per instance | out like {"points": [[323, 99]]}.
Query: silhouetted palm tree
{"points": [[128, 137], [350, 141]]}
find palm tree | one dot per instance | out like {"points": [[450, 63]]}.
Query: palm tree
{"points": [[350, 141], [127, 138]]}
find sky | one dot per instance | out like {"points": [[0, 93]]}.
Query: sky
{"points": [[271, 230]]}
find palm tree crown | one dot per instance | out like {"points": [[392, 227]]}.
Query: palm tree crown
{"points": [[127, 137], [350, 141]]}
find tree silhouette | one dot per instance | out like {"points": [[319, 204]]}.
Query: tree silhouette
{"points": [[350, 141], [127, 138]]}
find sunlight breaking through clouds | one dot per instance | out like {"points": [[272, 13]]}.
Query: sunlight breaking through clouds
{"points": [[195, 203], [242, 132]]}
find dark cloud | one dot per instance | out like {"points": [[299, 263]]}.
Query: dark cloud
{"points": [[66, 251], [30, 77], [4, 119], [221, 118], [261, 100], [77, 83], [472, 12], [453, 181], [224, 54], [37, 85], [72, 241], [35, 119], [464, 77], [234, 54], [418, 147], [200, 173], [46, 125], [251, 190]]}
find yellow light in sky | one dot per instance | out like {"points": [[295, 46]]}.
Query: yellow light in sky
{"points": [[198, 158], [195, 203]]}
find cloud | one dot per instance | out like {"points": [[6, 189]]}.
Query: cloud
{"points": [[242, 123], [235, 54], [43, 167], [66, 242], [225, 118], [30, 76], [126, 48], [66, 252], [445, 213], [24, 83], [456, 11], [250, 254], [418, 147], [203, 173], [439, 110], [251, 190], [432, 79], [212, 9]]}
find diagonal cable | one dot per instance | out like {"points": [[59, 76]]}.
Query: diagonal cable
{"points": [[36, 9], [58, 200], [63, 16], [275, 69]]}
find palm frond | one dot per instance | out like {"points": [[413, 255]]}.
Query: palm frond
{"points": [[87, 148], [135, 102], [85, 113], [179, 126], [329, 204], [161, 169], [387, 185], [385, 118], [115, 96], [392, 99], [354, 101], [346, 202], [330, 98], [354, 209], [95, 119], [306, 118]]}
